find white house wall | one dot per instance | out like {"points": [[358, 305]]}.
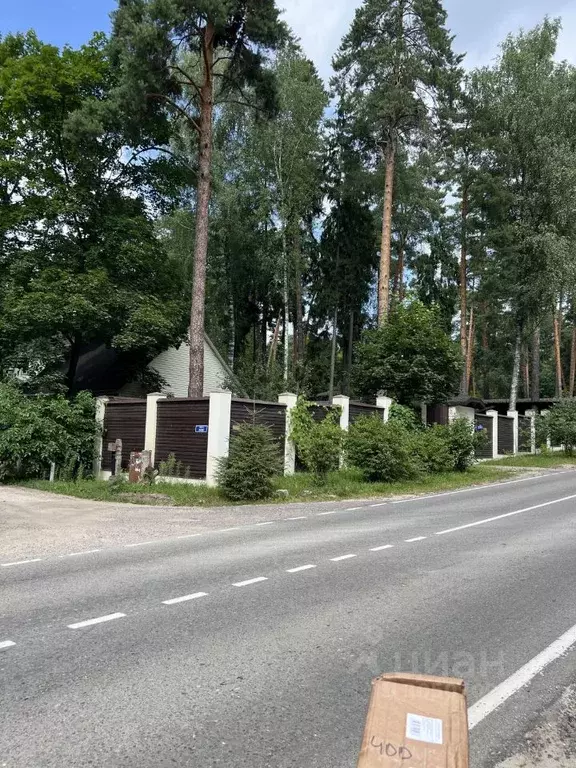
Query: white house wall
{"points": [[173, 364]]}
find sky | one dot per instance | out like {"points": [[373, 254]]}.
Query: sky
{"points": [[479, 25]]}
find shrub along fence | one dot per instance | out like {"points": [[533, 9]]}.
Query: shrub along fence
{"points": [[186, 437]]}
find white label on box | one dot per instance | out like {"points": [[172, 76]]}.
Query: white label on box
{"points": [[424, 728]]}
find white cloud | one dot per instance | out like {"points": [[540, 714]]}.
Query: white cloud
{"points": [[320, 25]]}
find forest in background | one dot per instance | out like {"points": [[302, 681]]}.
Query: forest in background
{"points": [[407, 180]]}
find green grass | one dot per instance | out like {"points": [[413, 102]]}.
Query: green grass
{"points": [[346, 484], [538, 460]]}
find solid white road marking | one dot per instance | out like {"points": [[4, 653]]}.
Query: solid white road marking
{"points": [[484, 487], [384, 546], [77, 554], [188, 535], [6, 644], [223, 530], [508, 514], [342, 557], [353, 509], [382, 504], [184, 598], [417, 538], [332, 512], [487, 704], [21, 562], [99, 620], [268, 522], [300, 568], [297, 518], [140, 544], [250, 581]]}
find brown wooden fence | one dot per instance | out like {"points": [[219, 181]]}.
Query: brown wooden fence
{"points": [[182, 430], [124, 419], [272, 415], [363, 409], [505, 434]]}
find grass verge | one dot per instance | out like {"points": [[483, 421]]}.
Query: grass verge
{"points": [[346, 484], [538, 460]]}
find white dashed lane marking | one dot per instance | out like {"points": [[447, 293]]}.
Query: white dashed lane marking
{"points": [[99, 620], [250, 581], [297, 518], [268, 522], [342, 557], [332, 512], [300, 568], [384, 546], [184, 598], [6, 644], [140, 544], [416, 538], [189, 535]]}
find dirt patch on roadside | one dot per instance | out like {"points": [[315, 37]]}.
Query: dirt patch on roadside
{"points": [[552, 744]]}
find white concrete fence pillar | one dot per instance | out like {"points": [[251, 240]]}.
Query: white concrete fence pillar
{"points": [[218, 433], [289, 399], [386, 404], [514, 415], [151, 424], [99, 437], [494, 416], [343, 402]]}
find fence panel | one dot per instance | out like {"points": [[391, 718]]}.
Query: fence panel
{"points": [[364, 409], [176, 433], [505, 434], [487, 424], [124, 419], [524, 434], [272, 415], [437, 414]]}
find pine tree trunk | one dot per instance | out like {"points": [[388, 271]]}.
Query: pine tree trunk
{"points": [[398, 287], [485, 370], [231, 333], [196, 381], [573, 361], [274, 344], [557, 355], [463, 294], [384, 277], [535, 391], [470, 351], [515, 373]]}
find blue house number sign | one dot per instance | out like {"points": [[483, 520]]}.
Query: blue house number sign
{"points": [[201, 429]]}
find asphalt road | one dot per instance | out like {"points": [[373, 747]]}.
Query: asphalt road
{"points": [[269, 660]]}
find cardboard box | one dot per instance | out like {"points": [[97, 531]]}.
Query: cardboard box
{"points": [[416, 721]]}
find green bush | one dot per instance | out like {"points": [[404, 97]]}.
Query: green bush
{"points": [[382, 452], [36, 431], [406, 416], [433, 449], [247, 472], [462, 441], [319, 443], [560, 425]]}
